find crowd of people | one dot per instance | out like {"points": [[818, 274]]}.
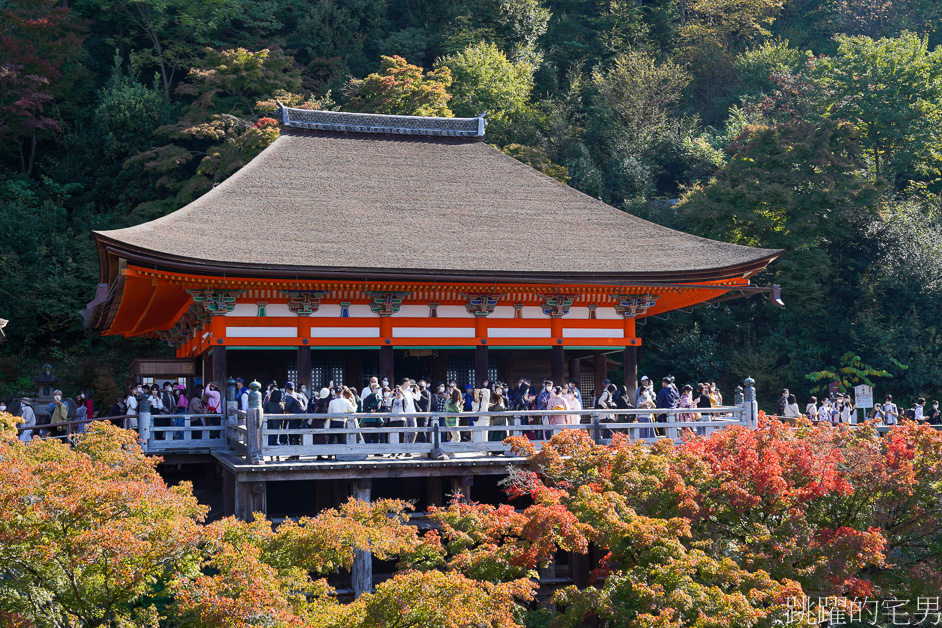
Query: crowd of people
{"points": [[453, 406], [63, 415], [841, 410]]}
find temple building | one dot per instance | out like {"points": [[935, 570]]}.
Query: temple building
{"points": [[359, 245]]}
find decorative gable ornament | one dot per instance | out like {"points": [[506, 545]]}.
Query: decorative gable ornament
{"points": [[305, 302], [386, 303], [481, 305], [634, 305], [557, 305]]}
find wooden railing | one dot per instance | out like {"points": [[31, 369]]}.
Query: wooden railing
{"points": [[182, 432], [258, 436], [45, 430]]}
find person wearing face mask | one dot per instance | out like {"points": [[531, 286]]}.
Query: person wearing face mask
{"points": [[397, 406], [81, 411], [482, 403], [498, 405], [543, 398], [934, 415], [368, 389], [29, 418], [131, 405], [557, 402], [423, 403], [574, 392], [58, 414], [373, 404], [439, 399], [575, 403]]}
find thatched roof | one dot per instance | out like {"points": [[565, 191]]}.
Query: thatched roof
{"points": [[368, 205]]}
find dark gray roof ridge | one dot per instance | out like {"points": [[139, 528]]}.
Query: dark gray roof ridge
{"points": [[348, 122]]}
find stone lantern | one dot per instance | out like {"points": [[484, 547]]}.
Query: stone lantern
{"points": [[45, 386]]}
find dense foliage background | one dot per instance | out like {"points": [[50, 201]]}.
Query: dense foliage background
{"points": [[807, 125]]}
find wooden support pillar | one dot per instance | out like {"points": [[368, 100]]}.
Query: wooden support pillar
{"points": [[601, 371], [207, 371], [361, 574], [462, 486], [251, 497], [439, 367], [353, 368], [480, 364], [228, 493], [557, 364], [433, 492], [631, 370], [304, 369], [575, 369], [579, 567], [386, 363], [220, 368]]}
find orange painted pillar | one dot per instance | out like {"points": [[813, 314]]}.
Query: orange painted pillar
{"points": [[630, 360]]}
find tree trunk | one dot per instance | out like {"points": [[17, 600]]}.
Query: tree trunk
{"points": [[28, 157]]}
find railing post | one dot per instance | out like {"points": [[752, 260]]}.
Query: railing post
{"points": [[750, 405], [253, 425], [476, 436], [231, 405], [437, 453], [596, 430], [351, 438], [144, 424]]}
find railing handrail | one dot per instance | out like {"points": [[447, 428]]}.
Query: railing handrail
{"points": [[485, 428], [46, 426], [521, 413]]}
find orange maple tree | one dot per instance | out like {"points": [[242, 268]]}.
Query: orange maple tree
{"points": [[88, 532]]}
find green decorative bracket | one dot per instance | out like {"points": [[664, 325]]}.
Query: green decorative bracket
{"points": [[557, 305], [481, 305], [215, 301], [386, 303], [305, 302], [634, 305]]}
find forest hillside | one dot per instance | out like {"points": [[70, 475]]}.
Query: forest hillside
{"points": [[807, 125]]}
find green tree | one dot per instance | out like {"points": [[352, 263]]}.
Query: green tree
{"points": [[791, 187], [537, 159], [483, 80], [891, 91], [640, 90], [233, 81], [712, 33], [127, 115], [402, 88], [166, 34], [852, 372]]}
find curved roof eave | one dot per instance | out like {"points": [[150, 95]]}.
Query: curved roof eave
{"points": [[196, 266]]}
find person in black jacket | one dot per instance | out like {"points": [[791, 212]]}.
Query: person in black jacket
{"points": [[703, 399], [781, 404], [423, 403], [373, 403], [934, 415]]}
